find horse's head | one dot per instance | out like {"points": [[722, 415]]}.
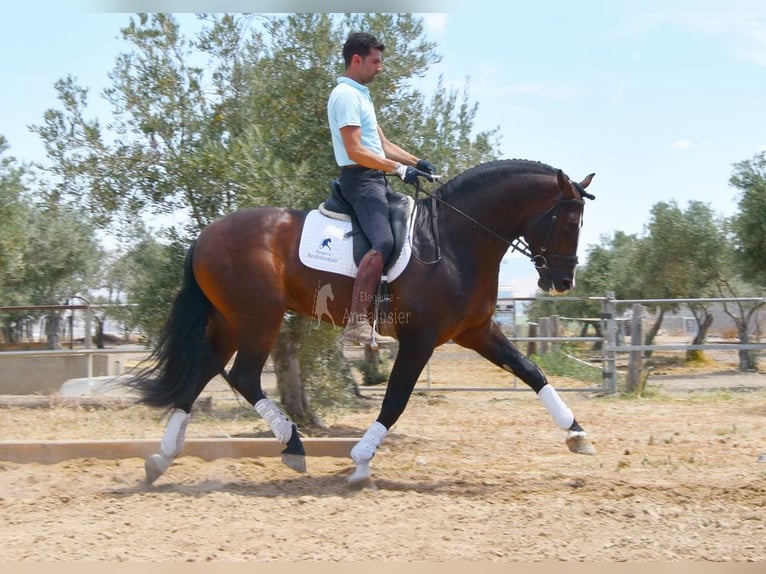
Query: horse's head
{"points": [[552, 236]]}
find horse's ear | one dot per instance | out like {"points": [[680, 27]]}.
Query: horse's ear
{"points": [[565, 185], [586, 182]]}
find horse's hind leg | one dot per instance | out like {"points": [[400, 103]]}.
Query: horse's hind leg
{"points": [[492, 344], [245, 377], [175, 430], [174, 437]]}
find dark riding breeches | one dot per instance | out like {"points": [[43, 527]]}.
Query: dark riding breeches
{"points": [[366, 191]]}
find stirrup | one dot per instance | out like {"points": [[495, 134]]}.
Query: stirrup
{"points": [[362, 334]]}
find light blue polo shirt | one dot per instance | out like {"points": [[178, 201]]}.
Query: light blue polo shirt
{"points": [[350, 104]]}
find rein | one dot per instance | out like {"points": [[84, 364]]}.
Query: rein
{"points": [[520, 245]]}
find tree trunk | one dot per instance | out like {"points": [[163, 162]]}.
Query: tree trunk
{"points": [[100, 321], [748, 358], [650, 336], [703, 326], [374, 369], [292, 391], [344, 370], [7, 331], [53, 331], [597, 328]]}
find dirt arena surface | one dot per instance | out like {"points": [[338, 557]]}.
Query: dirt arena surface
{"points": [[474, 476]]}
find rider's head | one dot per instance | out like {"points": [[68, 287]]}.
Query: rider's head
{"points": [[363, 55], [360, 44]]}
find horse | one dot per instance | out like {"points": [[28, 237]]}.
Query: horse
{"points": [[242, 274]]}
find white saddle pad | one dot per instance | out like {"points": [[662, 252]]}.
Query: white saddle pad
{"points": [[325, 246]]}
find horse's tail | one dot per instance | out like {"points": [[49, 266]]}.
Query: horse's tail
{"points": [[183, 355]]}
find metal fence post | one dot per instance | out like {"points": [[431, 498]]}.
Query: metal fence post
{"points": [[609, 373], [88, 326], [635, 361]]}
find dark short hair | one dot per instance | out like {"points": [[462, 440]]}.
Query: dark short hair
{"points": [[360, 43]]}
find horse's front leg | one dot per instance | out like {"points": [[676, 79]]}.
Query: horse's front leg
{"points": [[410, 361], [492, 344]]}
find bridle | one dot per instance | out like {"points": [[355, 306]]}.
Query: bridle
{"points": [[540, 259]]}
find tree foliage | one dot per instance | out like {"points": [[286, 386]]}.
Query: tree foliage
{"points": [[14, 215], [681, 254], [749, 224], [48, 252]]}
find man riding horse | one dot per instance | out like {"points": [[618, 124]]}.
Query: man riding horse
{"points": [[365, 155]]}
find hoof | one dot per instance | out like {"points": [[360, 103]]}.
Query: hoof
{"points": [[295, 461], [294, 455], [762, 458], [578, 442], [155, 466], [361, 474]]}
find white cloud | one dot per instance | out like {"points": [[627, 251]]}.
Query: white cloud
{"points": [[681, 145], [435, 23], [755, 32], [620, 91], [626, 80], [745, 33]]}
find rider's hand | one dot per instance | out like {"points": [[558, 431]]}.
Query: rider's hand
{"points": [[407, 173], [426, 167]]}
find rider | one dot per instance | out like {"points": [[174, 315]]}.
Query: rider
{"points": [[364, 155]]}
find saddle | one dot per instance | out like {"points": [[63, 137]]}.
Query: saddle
{"points": [[400, 208]]}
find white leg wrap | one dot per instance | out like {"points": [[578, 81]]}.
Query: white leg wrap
{"points": [[280, 424], [175, 434], [562, 415], [364, 450]]}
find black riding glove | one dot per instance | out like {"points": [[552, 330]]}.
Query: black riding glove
{"points": [[408, 174], [426, 167]]}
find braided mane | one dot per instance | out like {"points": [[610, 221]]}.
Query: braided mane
{"points": [[485, 173]]}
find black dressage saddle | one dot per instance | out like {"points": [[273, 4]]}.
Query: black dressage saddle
{"points": [[400, 209]]}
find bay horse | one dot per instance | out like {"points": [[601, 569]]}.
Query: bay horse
{"points": [[242, 274]]}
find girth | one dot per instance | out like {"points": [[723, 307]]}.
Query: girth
{"points": [[399, 211]]}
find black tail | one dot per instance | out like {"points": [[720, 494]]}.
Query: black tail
{"points": [[182, 357]]}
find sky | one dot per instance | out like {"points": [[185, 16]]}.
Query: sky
{"points": [[658, 98]]}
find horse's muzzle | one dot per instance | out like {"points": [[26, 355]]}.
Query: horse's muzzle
{"points": [[555, 285]]}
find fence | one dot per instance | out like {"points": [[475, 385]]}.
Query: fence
{"points": [[615, 323], [56, 344], [636, 348], [615, 326]]}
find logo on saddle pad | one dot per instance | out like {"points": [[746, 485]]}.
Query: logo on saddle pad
{"points": [[326, 246]]}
